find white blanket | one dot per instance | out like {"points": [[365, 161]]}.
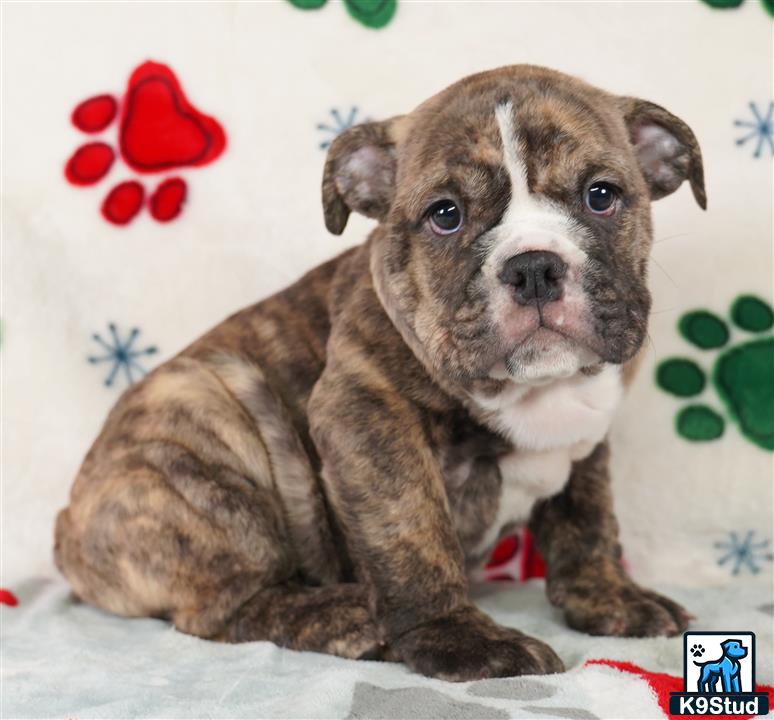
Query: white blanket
{"points": [[68, 660]]}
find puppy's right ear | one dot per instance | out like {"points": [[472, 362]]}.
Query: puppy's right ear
{"points": [[359, 173]]}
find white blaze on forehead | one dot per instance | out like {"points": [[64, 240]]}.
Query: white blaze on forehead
{"points": [[531, 222], [517, 171]]}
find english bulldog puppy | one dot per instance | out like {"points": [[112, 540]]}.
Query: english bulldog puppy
{"points": [[322, 469]]}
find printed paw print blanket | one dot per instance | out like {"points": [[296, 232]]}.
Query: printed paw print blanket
{"points": [[161, 169]]}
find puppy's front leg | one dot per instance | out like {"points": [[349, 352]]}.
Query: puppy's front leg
{"points": [[386, 490], [577, 533]]}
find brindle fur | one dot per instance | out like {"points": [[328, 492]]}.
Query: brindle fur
{"points": [[313, 471]]}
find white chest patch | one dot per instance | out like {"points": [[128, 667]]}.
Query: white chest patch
{"points": [[550, 426]]}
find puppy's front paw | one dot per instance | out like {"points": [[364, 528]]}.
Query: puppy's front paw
{"points": [[468, 645], [621, 609]]}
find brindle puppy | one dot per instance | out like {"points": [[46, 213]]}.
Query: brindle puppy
{"points": [[319, 469]]}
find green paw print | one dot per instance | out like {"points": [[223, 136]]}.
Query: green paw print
{"points": [[727, 4], [743, 374], [371, 13]]}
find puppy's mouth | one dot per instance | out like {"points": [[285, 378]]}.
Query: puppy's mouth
{"points": [[555, 323], [550, 343], [560, 337], [575, 334]]}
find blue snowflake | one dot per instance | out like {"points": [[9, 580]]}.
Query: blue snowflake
{"points": [[339, 125], [744, 552], [762, 128], [121, 354]]}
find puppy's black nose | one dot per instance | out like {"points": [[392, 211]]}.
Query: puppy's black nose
{"points": [[536, 276]]}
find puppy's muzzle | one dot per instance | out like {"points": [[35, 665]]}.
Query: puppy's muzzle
{"points": [[535, 277]]}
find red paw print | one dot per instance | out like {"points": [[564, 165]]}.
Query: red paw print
{"points": [[159, 130], [8, 598]]}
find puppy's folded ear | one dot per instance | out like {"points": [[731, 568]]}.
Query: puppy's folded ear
{"points": [[667, 149], [359, 173]]}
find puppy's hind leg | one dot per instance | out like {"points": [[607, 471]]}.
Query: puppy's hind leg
{"points": [[333, 619]]}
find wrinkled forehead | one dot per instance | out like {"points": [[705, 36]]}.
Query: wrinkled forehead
{"points": [[558, 127]]}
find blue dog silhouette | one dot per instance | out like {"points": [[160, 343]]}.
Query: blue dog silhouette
{"points": [[726, 669]]}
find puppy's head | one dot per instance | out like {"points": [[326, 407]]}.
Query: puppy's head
{"points": [[514, 213]]}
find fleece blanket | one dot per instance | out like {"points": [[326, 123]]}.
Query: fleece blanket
{"points": [[161, 165], [69, 660]]}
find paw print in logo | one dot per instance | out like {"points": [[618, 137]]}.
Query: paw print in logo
{"points": [[742, 374], [697, 650], [158, 131]]}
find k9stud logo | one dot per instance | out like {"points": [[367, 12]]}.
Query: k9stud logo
{"points": [[719, 676]]}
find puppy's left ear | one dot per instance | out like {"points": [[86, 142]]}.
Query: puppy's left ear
{"points": [[666, 148], [360, 172]]}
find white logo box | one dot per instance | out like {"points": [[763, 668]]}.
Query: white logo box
{"points": [[710, 644]]}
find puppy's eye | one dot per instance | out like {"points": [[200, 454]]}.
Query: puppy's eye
{"points": [[601, 197], [445, 217]]}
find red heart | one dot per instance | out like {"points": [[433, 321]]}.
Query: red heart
{"points": [[160, 129]]}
